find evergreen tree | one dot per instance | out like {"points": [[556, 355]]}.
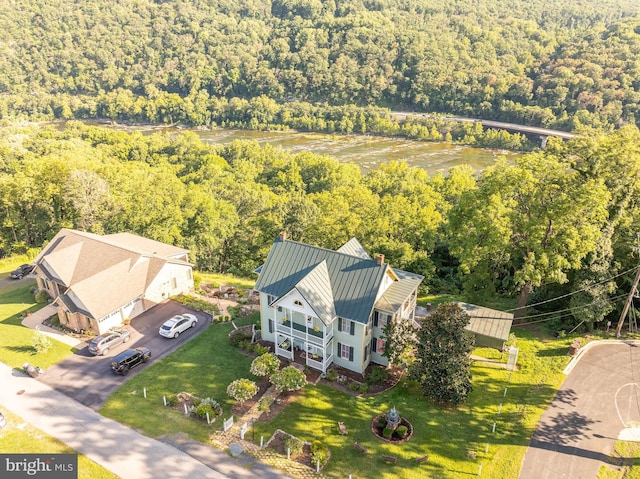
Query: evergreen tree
{"points": [[443, 365]]}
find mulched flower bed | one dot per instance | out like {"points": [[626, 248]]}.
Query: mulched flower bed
{"points": [[241, 409], [277, 444]]}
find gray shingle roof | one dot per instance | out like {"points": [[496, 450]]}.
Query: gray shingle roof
{"points": [[351, 284], [103, 272]]}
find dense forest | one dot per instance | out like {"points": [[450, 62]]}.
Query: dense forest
{"points": [[548, 63], [557, 221]]}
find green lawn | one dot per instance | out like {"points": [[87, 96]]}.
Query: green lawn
{"points": [[20, 437], [204, 366], [15, 339], [446, 435], [626, 451]]}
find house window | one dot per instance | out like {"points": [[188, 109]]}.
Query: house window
{"points": [[271, 325], [346, 326], [366, 352], [270, 299], [375, 319], [374, 344], [298, 303], [380, 346], [345, 351], [174, 283], [189, 274]]}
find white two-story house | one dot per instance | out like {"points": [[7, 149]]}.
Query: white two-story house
{"points": [[332, 305]]}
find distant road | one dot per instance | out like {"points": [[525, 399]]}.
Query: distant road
{"points": [[500, 125]]}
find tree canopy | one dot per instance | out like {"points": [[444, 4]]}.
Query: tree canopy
{"points": [[549, 63], [443, 364]]}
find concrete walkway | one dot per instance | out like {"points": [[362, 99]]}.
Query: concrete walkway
{"points": [[34, 320], [117, 448]]}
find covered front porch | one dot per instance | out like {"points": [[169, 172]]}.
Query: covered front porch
{"points": [[306, 344]]}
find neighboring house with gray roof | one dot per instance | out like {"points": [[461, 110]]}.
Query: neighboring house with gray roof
{"points": [[99, 281], [331, 305]]}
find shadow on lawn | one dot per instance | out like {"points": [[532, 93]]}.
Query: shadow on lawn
{"points": [[553, 352]]}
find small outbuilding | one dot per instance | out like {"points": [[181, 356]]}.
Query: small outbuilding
{"points": [[490, 327]]}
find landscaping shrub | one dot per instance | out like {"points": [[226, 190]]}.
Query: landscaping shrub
{"points": [[242, 389], [264, 405], [319, 452], [195, 303], [382, 422], [202, 410], [238, 336], [402, 431], [332, 375], [42, 296], [294, 445], [377, 375], [40, 342], [172, 400], [288, 379], [387, 432], [364, 387], [265, 364], [260, 350], [354, 386]]}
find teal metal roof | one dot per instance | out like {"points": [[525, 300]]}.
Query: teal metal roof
{"points": [[315, 288], [354, 248], [349, 286]]}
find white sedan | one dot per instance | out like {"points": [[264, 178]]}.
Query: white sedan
{"points": [[178, 324]]}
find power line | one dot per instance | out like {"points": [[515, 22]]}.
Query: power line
{"points": [[572, 293], [567, 312]]}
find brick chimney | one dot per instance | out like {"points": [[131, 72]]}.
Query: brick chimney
{"points": [[282, 236], [380, 259]]}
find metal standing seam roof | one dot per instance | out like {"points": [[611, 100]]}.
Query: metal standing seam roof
{"points": [[354, 248], [399, 291], [354, 281], [315, 288], [488, 322]]}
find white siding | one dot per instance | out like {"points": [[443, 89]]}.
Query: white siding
{"points": [[161, 287]]}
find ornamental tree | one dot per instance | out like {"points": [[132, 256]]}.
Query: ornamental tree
{"points": [[265, 365], [443, 365], [288, 379], [242, 389]]}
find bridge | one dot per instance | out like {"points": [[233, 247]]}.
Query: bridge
{"points": [[532, 132]]}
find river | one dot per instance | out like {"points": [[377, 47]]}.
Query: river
{"points": [[366, 151]]}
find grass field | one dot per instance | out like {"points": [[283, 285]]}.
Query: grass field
{"points": [[15, 339], [451, 437], [205, 366]]}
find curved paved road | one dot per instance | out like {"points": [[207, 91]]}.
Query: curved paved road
{"points": [[576, 434]]}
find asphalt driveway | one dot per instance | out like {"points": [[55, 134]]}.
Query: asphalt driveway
{"points": [[89, 380], [576, 434]]}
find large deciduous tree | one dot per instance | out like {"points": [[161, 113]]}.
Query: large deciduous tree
{"points": [[443, 364], [528, 224]]}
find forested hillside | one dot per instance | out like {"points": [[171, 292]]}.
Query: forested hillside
{"points": [[553, 63], [560, 220]]}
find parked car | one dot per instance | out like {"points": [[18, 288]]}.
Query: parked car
{"points": [[3, 421], [174, 326], [128, 359], [101, 345], [22, 270]]}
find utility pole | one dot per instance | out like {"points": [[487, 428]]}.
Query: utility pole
{"points": [[632, 292], [628, 303]]}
